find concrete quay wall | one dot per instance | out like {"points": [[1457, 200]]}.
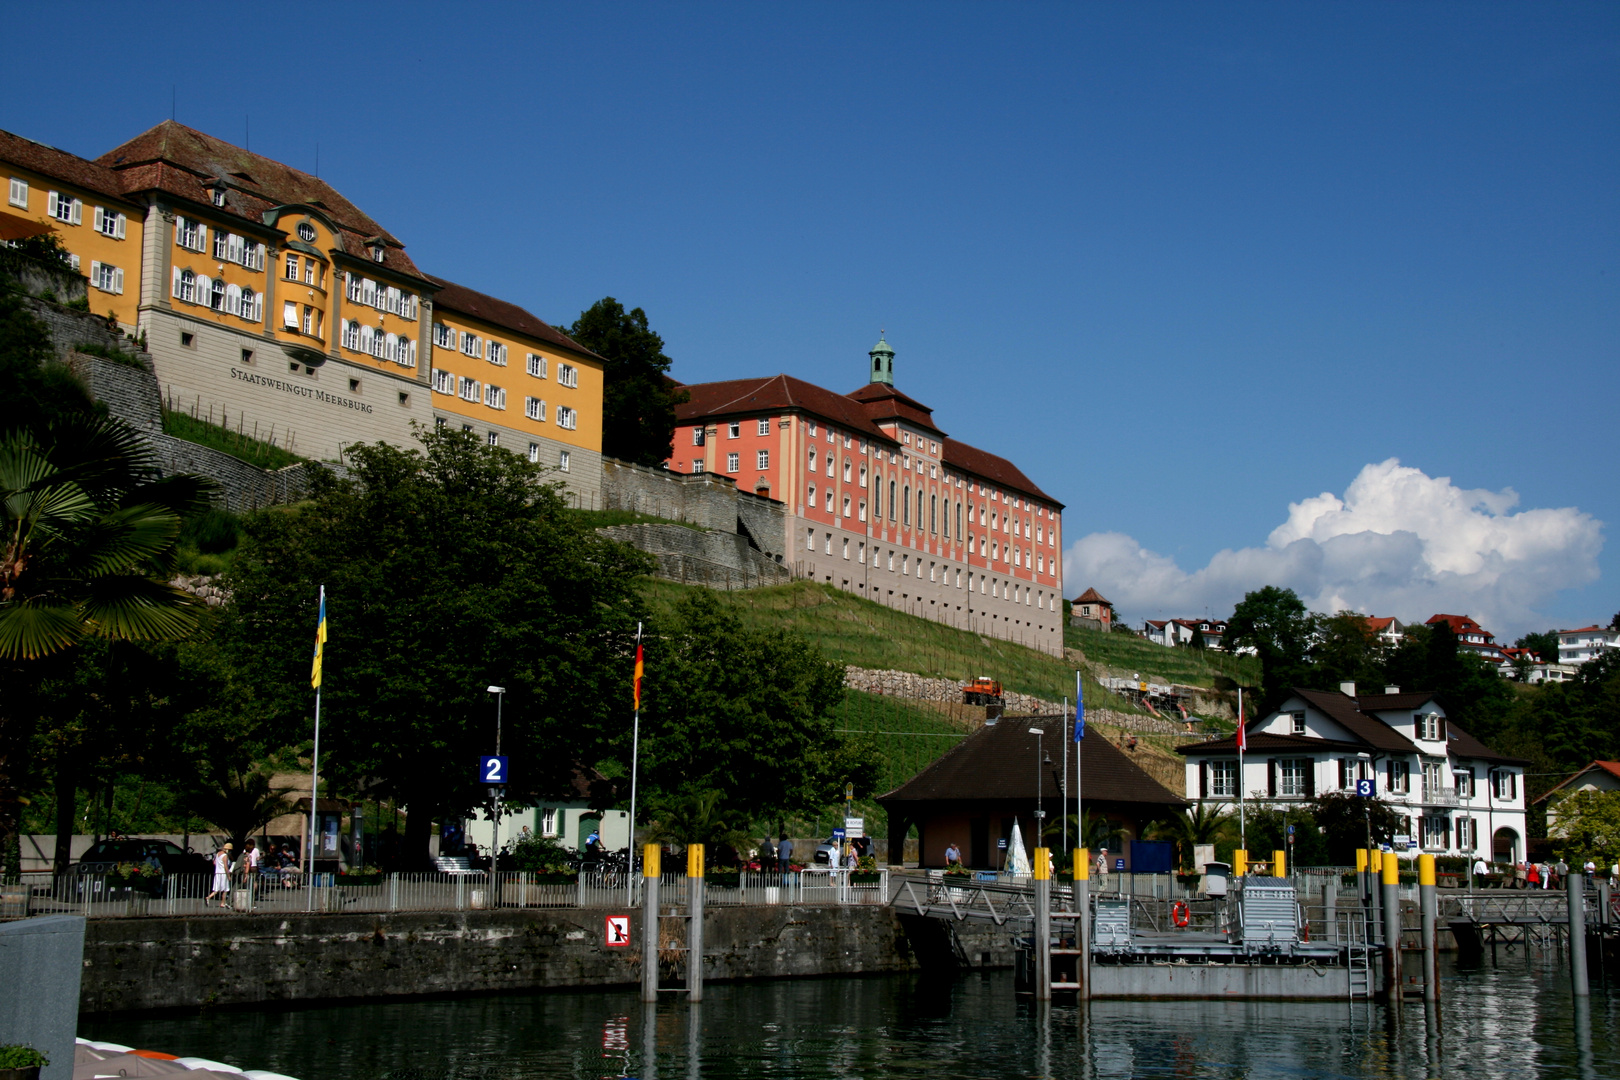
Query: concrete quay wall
{"points": [[186, 963]]}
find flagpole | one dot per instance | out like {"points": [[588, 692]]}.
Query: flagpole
{"points": [[1242, 744], [1063, 811], [635, 761], [315, 761]]}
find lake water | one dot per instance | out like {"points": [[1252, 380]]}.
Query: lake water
{"points": [[1513, 1020]]}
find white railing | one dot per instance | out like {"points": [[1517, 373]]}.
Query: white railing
{"points": [[97, 896]]}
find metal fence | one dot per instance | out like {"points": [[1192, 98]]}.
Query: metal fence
{"points": [[98, 896]]}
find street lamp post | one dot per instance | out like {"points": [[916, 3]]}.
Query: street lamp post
{"points": [[1040, 811], [495, 794]]}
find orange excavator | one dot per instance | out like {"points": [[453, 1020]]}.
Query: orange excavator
{"points": [[982, 691]]}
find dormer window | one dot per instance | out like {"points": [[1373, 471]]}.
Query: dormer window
{"points": [[219, 196], [1429, 727], [378, 253]]}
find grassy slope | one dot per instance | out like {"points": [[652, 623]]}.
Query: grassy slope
{"points": [[1127, 655], [911, 734], [241, 445]]}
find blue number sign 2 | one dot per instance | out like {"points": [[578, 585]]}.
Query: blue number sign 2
{"points": [[491, 769]]}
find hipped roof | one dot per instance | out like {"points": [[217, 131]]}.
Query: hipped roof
{"points": [[859, 412], [498, 312], [998, 762]]}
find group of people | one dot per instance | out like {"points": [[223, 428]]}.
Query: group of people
{"points": [[277, 867], [1539, 875], [775, 856]]}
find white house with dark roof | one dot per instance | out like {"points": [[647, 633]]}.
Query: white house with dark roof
{"points": [[1457, 796]]}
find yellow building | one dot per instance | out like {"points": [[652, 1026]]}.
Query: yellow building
{"points": [[269, 299], [515, 381], [83, 203]]}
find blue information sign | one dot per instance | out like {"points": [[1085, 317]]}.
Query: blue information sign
{"points": [[1002, 844], [1119, 865], [838, 834], [1290, 830], [1364, 788], [491, 769]]}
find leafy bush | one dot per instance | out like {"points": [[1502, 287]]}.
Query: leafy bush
{"points": [[16, 1056], [542, 855]]}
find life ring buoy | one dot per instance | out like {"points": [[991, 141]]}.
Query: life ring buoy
{"points": [[1180, 915]]}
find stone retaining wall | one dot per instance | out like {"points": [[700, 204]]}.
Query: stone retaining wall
{"points": [[720, 560], [905, 684], [178, 963]]}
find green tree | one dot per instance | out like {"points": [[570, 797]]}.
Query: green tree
{"points": [[1343, 818], [90, 530], [38, 392], [1274, 621], [1345, 649], [696, 817], [1544, 645], [638, 397], [746, 712], [1588, 827], [447, 568], [1268, 832], [1200, 824]]}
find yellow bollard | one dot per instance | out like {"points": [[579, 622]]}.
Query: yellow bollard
{"points": [[694, 860], [1361, 860], [1082, 864], [1240, 863], [1391, 872], [1279, 866], [1425, 869], [1043, 864], [652, 856], [1375, 861]]}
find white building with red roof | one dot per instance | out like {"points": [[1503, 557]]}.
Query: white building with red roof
{"points": [[882, 502], [1587, 643]]}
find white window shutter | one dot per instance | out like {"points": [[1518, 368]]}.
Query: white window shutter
{"points": [[95, 271], [118, 226], [118, 281], [100, 219], [202, 237], [52, 200], [78, 212], [177, 281]]}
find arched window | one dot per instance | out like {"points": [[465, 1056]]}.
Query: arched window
{"points": [[367, 334], [893, 510], [946, 522], [233, 299], [185, 286], [933, 513], [250, 306], [216, 294], [877, 501], [906, 510], [919, 508]]}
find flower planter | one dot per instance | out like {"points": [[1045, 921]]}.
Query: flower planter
{"points": [[865, 877], [553, 879], [30, 1073], [722, 881]]}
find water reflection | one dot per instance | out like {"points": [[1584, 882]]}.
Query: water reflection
{"points": [[1511, 1021]]}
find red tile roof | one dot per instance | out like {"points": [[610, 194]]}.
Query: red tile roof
{"points": [[188, 164], [1460, 624], [884, 402], [1092, 596], [1378, 623], [742, 397], [1589, 630], [1610, 767], [499, 313], [59, 165]]}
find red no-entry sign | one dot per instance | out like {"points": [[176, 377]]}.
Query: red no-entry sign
{"points": [[618, 930]]}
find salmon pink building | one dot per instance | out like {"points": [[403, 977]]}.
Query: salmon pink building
{"points": [[882, 502]]}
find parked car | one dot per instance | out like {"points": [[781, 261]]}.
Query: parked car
{"points": [[106, 854]]}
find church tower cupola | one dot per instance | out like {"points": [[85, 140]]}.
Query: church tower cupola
{"points": [[882, 362]]}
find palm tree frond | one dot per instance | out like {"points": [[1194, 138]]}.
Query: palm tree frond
{"points": [[138, 609], [29, 631]]}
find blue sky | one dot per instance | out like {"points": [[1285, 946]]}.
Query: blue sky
{"points": [[1186, 264]]}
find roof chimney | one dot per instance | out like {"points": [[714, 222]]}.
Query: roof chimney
{"points": [[1348, 689], [1392, 689]]}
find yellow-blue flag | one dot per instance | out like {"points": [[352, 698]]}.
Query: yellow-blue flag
{"points": [[320, 641]]}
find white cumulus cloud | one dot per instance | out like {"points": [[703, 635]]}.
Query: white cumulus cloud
{"points": [[1398, 542]]}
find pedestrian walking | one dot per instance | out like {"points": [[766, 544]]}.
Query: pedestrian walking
{"points": [[222, 877], [249, 862]]}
